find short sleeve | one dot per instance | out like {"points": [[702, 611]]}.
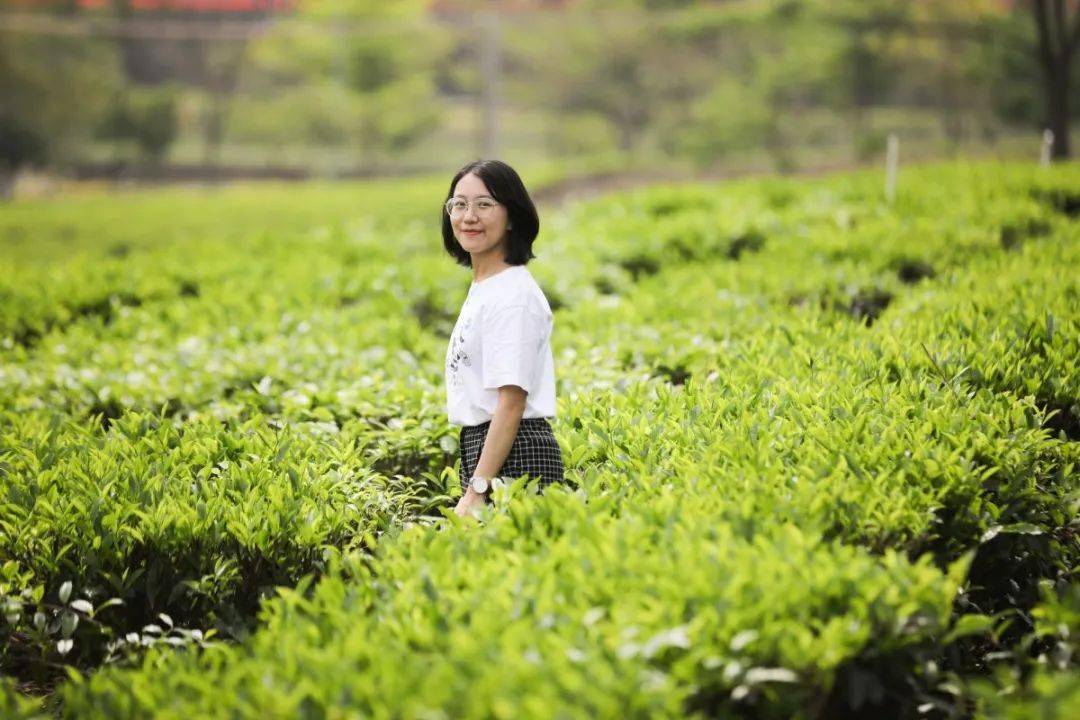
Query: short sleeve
{"points": [[512, 338]]}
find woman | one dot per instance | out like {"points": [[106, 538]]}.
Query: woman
{"points": [[500, 372]]}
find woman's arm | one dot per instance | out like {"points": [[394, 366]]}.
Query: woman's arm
{"points": [[503, 430], [500, 437]]}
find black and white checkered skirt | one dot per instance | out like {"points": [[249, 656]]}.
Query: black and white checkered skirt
{"points": [[535, 453]]}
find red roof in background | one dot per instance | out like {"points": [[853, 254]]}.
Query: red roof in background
{"points": [[220, 6], [457, 6], [212, 5]]}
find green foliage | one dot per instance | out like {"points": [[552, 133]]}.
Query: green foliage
{"points": [[581, 133], [820, 448], [581, 640], [1052, 688], [41, 79], [20, 144], [148, 117], [15, 705], [626, 69], [374, 87], [316, 113], [1014, 55], [1052, 696], [711, 81], [731, 118], [155, 123]]}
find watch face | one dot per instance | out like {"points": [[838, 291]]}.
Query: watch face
{"points": [[479, 484]]}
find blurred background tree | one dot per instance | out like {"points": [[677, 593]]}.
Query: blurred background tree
{"points": [[53, 91], [610, 61], [362, 74], [211, 87], [146, 117], [1058, 26]]}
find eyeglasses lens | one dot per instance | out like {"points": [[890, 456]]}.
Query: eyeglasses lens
{"points": [[457, 208]]}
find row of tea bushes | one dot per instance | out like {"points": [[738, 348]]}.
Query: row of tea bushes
{"points": [[258, 380], [953, 457], [265, 316], [1016, 332], [307, 331], [86, 259], [758, 484], [544, 612], [203, 441], [531, 568], [259, 385], [196, 520], [202, 358], [979, 211], [229, 413]]}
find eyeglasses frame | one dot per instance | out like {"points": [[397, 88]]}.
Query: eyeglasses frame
{"points": [[469, 205]]}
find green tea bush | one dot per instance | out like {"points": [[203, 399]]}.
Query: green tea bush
{"points": [[560, 626], [198, 520], [820, 451]]}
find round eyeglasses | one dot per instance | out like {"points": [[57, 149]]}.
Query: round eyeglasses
{"points": [[455, 207]]}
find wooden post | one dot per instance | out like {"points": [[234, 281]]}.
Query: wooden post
{"points": [[892, 159], [1047, 147], [489, 83]]}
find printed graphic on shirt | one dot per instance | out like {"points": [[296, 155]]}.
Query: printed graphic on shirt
{"points": [[457, 356], [502, 337]]}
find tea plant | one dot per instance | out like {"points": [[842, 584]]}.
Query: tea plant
{"points": [[821, 457]]}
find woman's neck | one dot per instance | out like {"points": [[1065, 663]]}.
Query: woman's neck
{"points": [[486, 266]]}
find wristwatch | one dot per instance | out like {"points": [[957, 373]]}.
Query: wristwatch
{"points": [[482, 485]]}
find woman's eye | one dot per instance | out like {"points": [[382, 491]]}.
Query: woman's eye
{"points": [[459, 205], [485, 205]]}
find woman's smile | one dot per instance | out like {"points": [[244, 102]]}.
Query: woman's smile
{"points": [[479, 223]]}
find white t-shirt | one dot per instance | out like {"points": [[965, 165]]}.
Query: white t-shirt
{"points": [[502, 337]]}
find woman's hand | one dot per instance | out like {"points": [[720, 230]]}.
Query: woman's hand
{"points": [[469, 502]]}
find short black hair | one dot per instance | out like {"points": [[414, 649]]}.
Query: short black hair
{"points": [[505, 186]]}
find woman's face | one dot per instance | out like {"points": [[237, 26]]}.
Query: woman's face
{"points": [[477, 232]]}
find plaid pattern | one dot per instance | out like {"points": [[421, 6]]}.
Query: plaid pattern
{"points": [[535, 452]]}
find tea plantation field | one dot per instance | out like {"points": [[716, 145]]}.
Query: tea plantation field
{"points": [[822, 456]]}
